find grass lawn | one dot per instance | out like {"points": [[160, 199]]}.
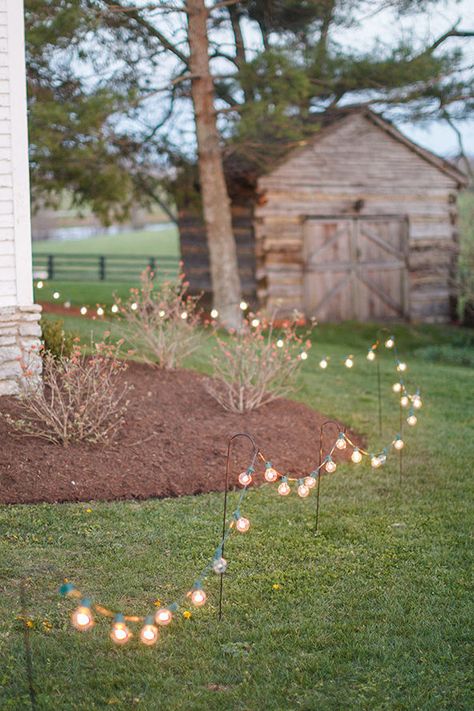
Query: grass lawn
{"points": [[374, 613], [149, 243]]}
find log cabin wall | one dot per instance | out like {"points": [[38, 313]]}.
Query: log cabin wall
{"points": [[356, 170]]}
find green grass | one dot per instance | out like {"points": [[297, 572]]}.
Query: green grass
{"points": [[146, 242], [374, 613], [83, 293]]}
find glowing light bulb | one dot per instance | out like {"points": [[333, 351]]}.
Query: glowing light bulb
{"points": [[39, 285], [330, 466], [243, 305], [163, 616], [412, 420], [323, 363], [120, 634], [284, 488], [242, 524], [349, 362], [280, 343], [214, 313], [82, 618], [161, 313], [397, 387], [245, 478], [134, 306], [255, 322], [83, 310], [371, 355], [399, 443], [416, 402], [198, 597], [100, 311], [375, 462], [401, 367], [67, 304], [219, 565], [115, 309], [271, 474], [56, 295], [303, 491], [149, 632], [184, 315], [404, 400], [356, 456], [390, 342], [304, 356], [341, 441], [310, 482]]}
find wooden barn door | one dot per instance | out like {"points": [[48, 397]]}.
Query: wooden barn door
{"points": [[355, 268]]}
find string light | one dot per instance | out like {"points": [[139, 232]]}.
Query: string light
{"points": [[304, 355], [371, 354], [303, 489], [382, 457], [100, 311], [184, 315], [356, 456], [242, 524], [56, 295], [245, 478], [163, 616], [330, 465], [349, 361], [67, 304], [284, 488], [214, 313], [243, 305], [120, 634], [401, 367], [219, 565], [416, 401], [341, 441], [114, 308], [83, 310], [82, 618], [280, 343], [149, 632], [310, 481], [323, 363], [161, 313], [404, 401], [134, 306], [198, 597], [270, 474], [390, 342], [255, 322], [398, 443], [397, 387], [375, 462], [39, 285], [412, 419]]}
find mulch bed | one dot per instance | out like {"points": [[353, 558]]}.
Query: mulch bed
{"points": [[174, 442]]}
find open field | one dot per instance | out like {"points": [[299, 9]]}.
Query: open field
{"points": [[146, 243], [374, 613]]}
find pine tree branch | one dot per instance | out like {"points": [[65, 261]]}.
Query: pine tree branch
{"points": [[453, 32]]}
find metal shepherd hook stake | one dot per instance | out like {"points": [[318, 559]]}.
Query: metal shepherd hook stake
{"points": [[226, 488], [320, 467]]}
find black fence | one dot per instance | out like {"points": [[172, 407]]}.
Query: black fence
{"points": [[101, 267]]}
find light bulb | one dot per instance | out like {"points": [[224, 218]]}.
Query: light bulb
{"points": [[323, 364], [341, 442], [82, 618], [356, 456], [371, 355], [198, 597], [242, 524], [100, 311], [303, 490], [382, 458], [214, 313], [304, 356], [404, 400], [245, 478], [330, 466], [219, 565], [161, 313], [349, 362], [280, 343], [243, 305], [375, 461], [83, 310], [416, 402], [114, 309], [397, 387], [390, 342], [163, 616], [255, 322], [120, 634], [412, 420], [284, 488], [401, 367], [399, 443], [271, 474], [39, 285], [134, 306], [184, 315], [310, 482], [149, 632], [56, 295]]}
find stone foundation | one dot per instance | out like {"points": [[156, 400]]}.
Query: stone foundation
{"points": [[20, 335]]}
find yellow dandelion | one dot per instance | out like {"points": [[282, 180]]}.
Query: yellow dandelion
{"points": [[157, 603], [187, 614], [276, 586], [88, 510]]}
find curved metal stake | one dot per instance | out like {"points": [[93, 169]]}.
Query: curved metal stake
{"points": [[318, 490], [226, 487]]}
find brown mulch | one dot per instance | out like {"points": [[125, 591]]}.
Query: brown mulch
{"points": [[174, 442]]}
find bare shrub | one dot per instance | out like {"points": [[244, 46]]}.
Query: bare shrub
{"points": [[162, 320], [78, 398], [257, 364]]}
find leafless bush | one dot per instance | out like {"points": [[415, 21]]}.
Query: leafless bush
{"points": [[78, 398], [257, 365], [162, 319]]}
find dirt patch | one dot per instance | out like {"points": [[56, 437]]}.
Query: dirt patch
{"points": [[174, 442]]}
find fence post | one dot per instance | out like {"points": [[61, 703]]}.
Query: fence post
{"points": [[50, 267], [152, 264], [102, 268]]}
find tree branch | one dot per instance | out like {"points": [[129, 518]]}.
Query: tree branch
{"points": [[453, 32]]}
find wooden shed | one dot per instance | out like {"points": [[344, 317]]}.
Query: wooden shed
{"points": [[358, 223]]}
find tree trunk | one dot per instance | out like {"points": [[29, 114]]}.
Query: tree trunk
{"points": [[215, 199]]}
